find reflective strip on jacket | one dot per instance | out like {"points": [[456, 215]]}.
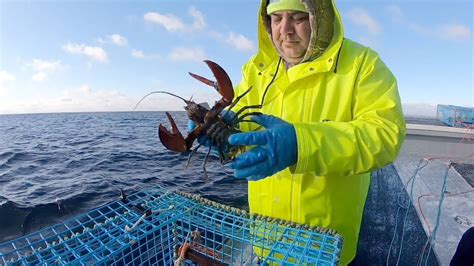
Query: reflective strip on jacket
{"points": [[348, 120]]}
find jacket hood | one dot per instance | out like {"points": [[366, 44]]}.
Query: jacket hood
{"points": [[326, 31]]}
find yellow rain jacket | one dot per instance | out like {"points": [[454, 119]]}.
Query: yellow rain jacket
{"points": [[344, 104]]}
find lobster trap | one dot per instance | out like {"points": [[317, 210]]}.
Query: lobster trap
{"points": [[161, 227]]}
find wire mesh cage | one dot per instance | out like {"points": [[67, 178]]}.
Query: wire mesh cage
{"points": [[162, 227], [456, 116]]}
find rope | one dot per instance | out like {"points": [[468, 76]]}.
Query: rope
{"points": [[409, 203], [400, 206], [432, 237], [182, 251], [252, 216]]}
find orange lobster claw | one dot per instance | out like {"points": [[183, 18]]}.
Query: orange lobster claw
{"points": [[173, 140], [223, 84]]}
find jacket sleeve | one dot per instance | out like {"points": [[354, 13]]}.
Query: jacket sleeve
{"points": [[371, 140]]}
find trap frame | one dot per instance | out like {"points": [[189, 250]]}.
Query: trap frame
{"points": [[162, 227]]}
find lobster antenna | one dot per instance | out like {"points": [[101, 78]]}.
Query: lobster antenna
{"points": [[153, 92]]}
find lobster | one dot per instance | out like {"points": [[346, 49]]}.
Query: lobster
{"points": [[209, 122]]}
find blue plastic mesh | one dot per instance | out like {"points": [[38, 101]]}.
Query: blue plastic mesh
{"points": [[150, 226], [455, 116]]}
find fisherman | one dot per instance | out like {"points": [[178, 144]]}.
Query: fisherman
{"points": [[331, 115]]}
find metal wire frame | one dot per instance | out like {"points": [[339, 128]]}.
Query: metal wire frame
{"points": [[150, 226]]}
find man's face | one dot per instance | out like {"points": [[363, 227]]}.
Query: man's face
{"points": [[291, 33]]}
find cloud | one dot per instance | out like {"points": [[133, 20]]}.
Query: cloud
{"points": [[93, 52], [174, 24], [43, 68], [5, 79], [142, 55], [168, 21], [454, 32], [118, 39], [187, 54], [79, 99], [46, 66], [86, 99], [40, 76], [361, 17], [450, 32], [138, 54], [115, 39], [199, 21], [240, 42]]}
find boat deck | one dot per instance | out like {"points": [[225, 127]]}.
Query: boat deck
{"points": [[440, 194]]}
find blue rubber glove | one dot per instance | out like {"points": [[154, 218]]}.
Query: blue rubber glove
{"points": [[275, 150]]}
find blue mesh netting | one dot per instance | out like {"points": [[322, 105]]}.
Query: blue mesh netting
{"points": [[149, 227]]}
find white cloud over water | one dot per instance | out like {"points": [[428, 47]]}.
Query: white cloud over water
{"points": [[187, 54], [43, 68], [240, 42], [168, 21], [115, 39], [6, 77], [454, 32], [86, 98], [80, 99], [5, 81], [93, 52], [174, 24], [446, 31], [361, 17], [142, 55], [199, 20]]}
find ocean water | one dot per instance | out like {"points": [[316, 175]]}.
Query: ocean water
{"points": [[56, 166]]}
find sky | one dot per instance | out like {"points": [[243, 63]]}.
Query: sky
{"points": [[91, 55]]}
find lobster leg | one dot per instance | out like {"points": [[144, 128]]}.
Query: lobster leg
{"points": [[173, 140], [239, 97], [191, 154], [206, 178]]}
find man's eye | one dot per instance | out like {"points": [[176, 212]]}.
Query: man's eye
{"points": [[276, 18], [300, 19]]}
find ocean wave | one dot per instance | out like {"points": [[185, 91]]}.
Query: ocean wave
{"points": [[56, 166], [16, 157], [19, 220]]}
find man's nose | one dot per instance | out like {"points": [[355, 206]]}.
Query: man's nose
{"points": [[286, 27]]}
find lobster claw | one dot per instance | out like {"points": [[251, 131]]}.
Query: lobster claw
{"points": [[223, 84], [173, 140]]}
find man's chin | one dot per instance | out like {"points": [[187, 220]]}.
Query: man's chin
{"points": [[292, 60], [293, 54]]}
